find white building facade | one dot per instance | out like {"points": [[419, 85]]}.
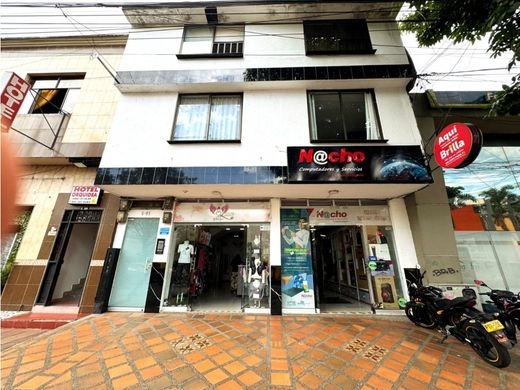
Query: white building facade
{"points": [[262, 154]]}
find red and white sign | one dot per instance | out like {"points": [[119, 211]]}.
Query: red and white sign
{"points": [[85, 195], [457, 145], [12, 98]]}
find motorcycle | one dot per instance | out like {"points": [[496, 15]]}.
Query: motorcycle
{"points": [[458, 317], [508, 305]]}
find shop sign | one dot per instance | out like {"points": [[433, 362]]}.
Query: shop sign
{"points": [[12, 98], [349, 215], [357, 164], [297, 279], [220, 212], [457, 145], [85, 195]]}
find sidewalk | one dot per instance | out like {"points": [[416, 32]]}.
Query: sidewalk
{"points": [[202, 351]]}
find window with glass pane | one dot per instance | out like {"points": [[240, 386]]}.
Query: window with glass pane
{"points": [[54, 95], [208, 118], [343, 115], [337, 37], [213, 40]]}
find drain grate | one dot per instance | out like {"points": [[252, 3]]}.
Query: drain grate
{"points": [[356, 346], [375, 353]]}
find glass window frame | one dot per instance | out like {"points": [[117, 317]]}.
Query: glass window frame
{"points": [[212, 40], [313, 131], [57, 82], [332, 27], [172, 139]]}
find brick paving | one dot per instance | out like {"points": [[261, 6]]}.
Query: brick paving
{"points": [[213, 351]]}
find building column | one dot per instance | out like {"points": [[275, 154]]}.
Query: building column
{"points": [[274, 237]]}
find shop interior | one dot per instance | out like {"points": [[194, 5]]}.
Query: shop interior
{"points": [[340, 271], [210, 267]]}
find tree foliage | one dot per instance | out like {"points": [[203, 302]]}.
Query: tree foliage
{"points": [[457, 197], [471, 20]]}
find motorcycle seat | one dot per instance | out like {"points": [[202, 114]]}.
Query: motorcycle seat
{"points": [[445, 304]]}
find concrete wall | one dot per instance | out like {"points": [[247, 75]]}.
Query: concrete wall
{"points": [[269, 45], [271, 121], [431, 225]]}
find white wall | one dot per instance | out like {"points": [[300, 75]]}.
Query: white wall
{"points": [[271, 121], [77, 257], [269, 45]]}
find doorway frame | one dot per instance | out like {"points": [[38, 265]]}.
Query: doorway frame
{"points": [[59, 249]]}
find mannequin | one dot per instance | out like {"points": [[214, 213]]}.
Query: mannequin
{"points": [[186, 251], [256, 279]]}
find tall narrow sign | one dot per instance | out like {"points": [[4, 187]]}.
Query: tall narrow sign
{"points": [[12, 98], [297, 280]]}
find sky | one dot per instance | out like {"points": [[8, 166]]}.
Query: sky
{"points": [[460, 65]]}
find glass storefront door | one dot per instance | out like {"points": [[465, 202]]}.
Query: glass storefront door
{"points": [[132, 276]]}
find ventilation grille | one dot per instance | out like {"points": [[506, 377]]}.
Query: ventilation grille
{"points": [[227, 47]]}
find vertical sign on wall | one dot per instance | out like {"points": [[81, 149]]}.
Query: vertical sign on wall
{"points": [[12, 98], [297, 281]]}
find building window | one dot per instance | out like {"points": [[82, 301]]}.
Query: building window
{"points": [[55, 94], [208, 118], [338, 116], [214, 41], [337, 37]]}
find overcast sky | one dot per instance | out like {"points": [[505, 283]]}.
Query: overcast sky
{"points": [[459, 60]]}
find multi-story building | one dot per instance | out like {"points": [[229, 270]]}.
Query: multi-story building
{"points": [[484, 196], [58, 137], [263, 153]]}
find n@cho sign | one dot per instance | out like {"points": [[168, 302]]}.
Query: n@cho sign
{"points": [[457, 145]]}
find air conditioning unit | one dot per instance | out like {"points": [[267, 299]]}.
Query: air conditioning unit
{"points": [[451, 291], [227, 47]]}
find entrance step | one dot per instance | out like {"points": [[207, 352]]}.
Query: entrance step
{"points": [[40, 320]]}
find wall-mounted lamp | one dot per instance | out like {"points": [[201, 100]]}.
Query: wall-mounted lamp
{"points": [[333, 192], [122, 216], [125, 204], [217, 193]]}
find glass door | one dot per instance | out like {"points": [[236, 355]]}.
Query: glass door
{"points": [[132, 276]]}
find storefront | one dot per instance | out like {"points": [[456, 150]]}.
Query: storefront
{"points": [[220, 258], [339, 259]]}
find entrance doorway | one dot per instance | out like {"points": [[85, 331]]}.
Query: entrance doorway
{"points": [[215, 285], [68, 265], [218, 268], [341, 274]]}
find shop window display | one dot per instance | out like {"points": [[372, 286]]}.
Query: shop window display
{"points": [[215, 267], [255, 274], [384, 270]]}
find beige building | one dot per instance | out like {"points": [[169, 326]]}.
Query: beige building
{"points": [[59, 136]]}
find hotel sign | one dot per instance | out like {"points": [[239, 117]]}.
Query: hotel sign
{"points": [[12, 98], [85, 195]]}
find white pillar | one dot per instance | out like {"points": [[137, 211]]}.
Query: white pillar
{"points": [[403, 238], [274, 237]]}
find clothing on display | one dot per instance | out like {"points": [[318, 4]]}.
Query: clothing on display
{"points": [[185, 250]]}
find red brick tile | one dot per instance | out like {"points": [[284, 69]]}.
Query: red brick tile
{"points": [[379, 383], [419, 375], [389, 375], [446, 385]]}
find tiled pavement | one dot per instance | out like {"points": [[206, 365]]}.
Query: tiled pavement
{"points": [[197, 351]]}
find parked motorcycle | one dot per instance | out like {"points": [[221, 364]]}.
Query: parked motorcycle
{"points": [[458, 317], [508, 305]]}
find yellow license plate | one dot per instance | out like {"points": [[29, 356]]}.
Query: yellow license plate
{"points": [[492, 326]]}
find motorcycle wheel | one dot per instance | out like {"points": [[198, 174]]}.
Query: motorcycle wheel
{"points": [[487, 347], [420, 317]]}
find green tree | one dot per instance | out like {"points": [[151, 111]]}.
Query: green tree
{"points": [[471, 20], [503, 201], [457, 197], [21, 220]]}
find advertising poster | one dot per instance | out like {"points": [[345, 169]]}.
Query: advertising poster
{"points": [[383, 261], [386, 293], [297, 281]]}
